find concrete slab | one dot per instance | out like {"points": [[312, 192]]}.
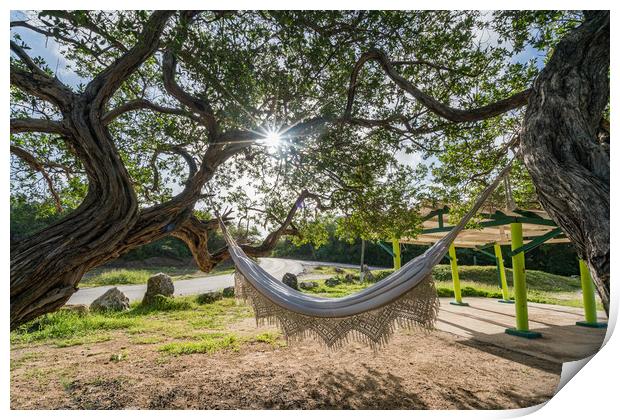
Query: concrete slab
{"points": [[485, 321]]}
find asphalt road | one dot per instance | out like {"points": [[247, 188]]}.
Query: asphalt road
{"points": [[274, 266]]}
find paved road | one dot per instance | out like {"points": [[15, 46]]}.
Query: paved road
{"points": [[275, 266]]}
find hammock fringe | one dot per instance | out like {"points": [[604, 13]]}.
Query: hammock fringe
{"points": [[414, 310]]}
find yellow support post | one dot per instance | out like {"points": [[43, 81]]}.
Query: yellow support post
{"points": [[396, 251], [589, 301], [458, 299], [520, 290], [502, 274]]}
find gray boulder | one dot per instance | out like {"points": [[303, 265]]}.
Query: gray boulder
{"points": [[332, 282], [290, 280], [338, 270], [228, 292], [159, 284], [349, 278], [209, 297], [308, 285], [112, 300]]}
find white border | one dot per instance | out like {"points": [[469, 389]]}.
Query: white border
{"points": [[591, 394]]}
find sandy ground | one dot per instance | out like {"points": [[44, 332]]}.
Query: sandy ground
{"points": [[417, 370]]}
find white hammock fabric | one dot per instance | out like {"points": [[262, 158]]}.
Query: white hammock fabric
{"points": [[406, 298]]}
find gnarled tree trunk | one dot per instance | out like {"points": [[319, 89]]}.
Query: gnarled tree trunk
{"points": [[563, 147], [46, 267]]}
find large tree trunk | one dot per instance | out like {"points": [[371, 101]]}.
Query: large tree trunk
{"points": [[46, 267], [562, 145]]}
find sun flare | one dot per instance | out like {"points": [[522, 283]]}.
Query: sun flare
{"points": [[272, 139]]}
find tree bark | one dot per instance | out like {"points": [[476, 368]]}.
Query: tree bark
{"points": [[46, 267], [561, 145]]}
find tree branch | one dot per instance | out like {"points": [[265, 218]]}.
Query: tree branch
{"points": [[38, 83], [27, 125], [194, 233], [136, 104], [452, 114], [35, 165], [432, 65], [191, 163], [103, 86], [197, 105], [87, 24], [67, 39]]}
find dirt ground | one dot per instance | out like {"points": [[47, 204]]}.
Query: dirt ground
{"points": [[416, 370]]}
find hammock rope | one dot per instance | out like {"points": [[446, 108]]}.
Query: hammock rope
{"points": [[407, 298]]}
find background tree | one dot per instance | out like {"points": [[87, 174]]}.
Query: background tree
{"points": [[180, 109]]}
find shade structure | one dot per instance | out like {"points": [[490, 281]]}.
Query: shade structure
{"points": [[493, 228]]}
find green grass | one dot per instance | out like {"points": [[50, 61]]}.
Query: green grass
{"points": [[479, 281], [166, 318], [209, 344], [124, 276], [271, 337]]}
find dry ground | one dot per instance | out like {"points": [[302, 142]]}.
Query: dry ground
{"points": [[416, 370]]}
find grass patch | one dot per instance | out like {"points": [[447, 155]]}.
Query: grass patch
{"points": [[477, 281], [538, 280], [179, 317], [63, 325], [270, 337], [26, 357], [209, 344], [116, 277], [124, 276], [84, 339]]}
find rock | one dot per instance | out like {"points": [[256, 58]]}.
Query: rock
{"points": [[338, 270], [228, 292], [365, 269], [112, 300], [308, 285], [79, 309], [290, 280], [369, 277], [209, 297], [332, 282], [349, 278], [159, 284]]}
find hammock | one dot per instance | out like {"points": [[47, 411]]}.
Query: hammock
{"points": [[406, 298]]}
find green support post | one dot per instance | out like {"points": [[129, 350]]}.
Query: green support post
{"points": [[502, 274], [520, 291], [396, 251], [589, 302], [458, 299]]}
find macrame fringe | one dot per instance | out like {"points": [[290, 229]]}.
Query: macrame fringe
{"points": [[415, 310]]}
